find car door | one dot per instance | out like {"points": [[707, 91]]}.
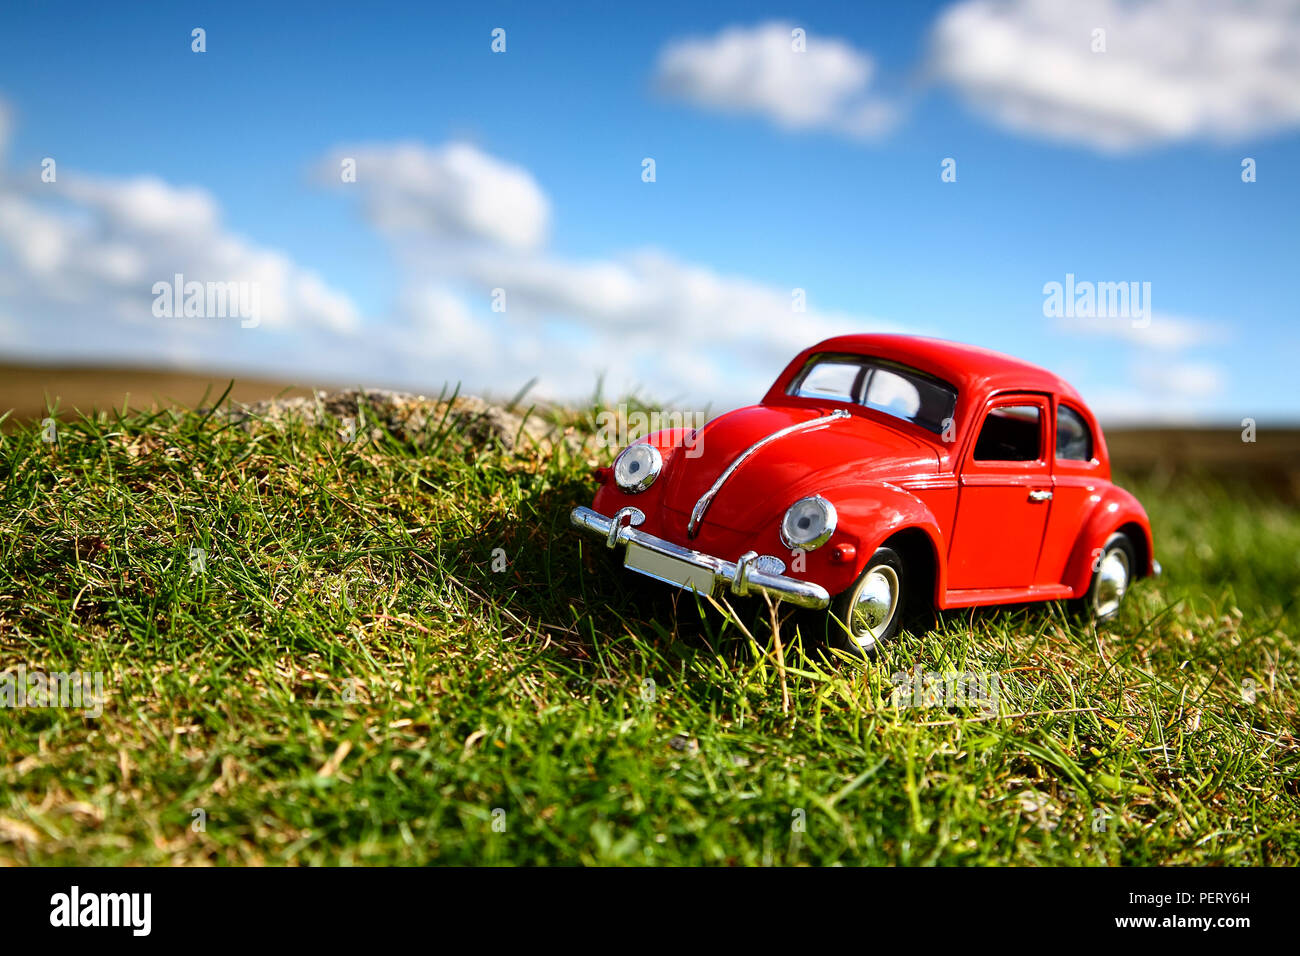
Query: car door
{"points": [[1077, 477], [1004, 497]]}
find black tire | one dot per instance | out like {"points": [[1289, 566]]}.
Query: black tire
{"points": [[1104, 598], [857, 640]]}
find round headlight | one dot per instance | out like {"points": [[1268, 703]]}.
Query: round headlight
{"points": [[636, 468], [808, 524]]}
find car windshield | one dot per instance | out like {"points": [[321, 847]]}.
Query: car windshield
{"points": [[885, 386]]}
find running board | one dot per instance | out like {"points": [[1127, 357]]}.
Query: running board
{"points": [[968, 597]]}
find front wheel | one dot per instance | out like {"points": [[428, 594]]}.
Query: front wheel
{"points": [[871, 611]]}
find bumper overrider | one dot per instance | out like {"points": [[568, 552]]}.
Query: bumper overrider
{"points": [[689, 569]]}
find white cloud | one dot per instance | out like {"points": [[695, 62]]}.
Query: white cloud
{"points": [[444, 328], [641, 318], [455, 192], [95, 244], [145, 207], [1162, 332], [1181, 380], [1153, 378], [79, 259], [1172, 69], [644, 318], [757, 70], [1176, 393], [650, 295]]}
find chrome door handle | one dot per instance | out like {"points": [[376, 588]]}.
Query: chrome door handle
{"points": [[1040, 496]]}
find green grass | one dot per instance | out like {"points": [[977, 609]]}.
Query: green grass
{"points": [[348, 680]]}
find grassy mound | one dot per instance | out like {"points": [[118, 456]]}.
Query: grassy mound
{"points": [[327, 638]]}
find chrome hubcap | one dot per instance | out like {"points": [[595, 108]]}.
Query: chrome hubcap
{"points": [[874, 606], [1112, 582]]}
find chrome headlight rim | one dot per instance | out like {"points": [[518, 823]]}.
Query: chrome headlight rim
{"points": [[653, 460], [829, 517]]}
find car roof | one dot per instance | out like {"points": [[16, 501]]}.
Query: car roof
{"points": [[969, 367]]}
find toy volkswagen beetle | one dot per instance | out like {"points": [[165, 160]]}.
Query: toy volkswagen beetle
{"points": [[878, 472]]}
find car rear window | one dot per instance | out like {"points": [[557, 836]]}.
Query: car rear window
{"points": [[1073, 439]]}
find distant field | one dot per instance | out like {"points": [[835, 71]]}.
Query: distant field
{"points": [[29, 390], [1271, 462], [393, 650]]}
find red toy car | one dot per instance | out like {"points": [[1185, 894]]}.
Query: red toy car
{"points": [[880, 471]]}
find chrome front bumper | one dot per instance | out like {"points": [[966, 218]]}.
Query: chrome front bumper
{"points": [[740, 577]]}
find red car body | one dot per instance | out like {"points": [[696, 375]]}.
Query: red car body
{"points": [[973, 531]]}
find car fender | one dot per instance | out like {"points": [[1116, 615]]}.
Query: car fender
{"points": [[669, 439], [1115, 509], [670, 442], [870, 513]]}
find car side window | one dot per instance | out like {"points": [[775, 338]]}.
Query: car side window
{"points": [[1073, 439], [1010, 433]]}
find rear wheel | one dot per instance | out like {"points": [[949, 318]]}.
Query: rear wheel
{"points": [[871, 611], [1111, 577]]}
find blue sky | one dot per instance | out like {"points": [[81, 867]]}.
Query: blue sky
{"points": [[753, 197]]}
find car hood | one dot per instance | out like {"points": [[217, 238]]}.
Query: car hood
{"points": [[815, 460]]}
